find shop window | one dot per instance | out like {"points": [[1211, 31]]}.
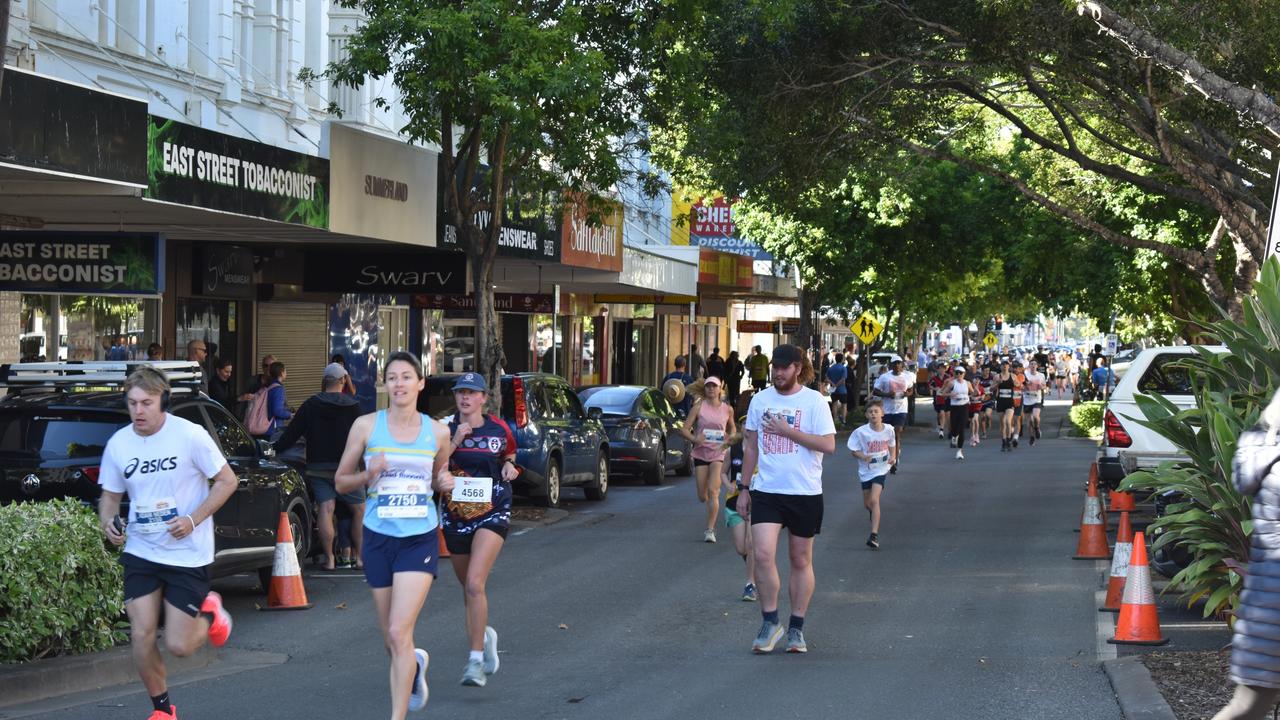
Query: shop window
{"points": [[231, 435], [213, 322], [87, 327]]}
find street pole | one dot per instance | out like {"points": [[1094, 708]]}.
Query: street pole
{"points": [[4, 37], [1273, 232], [693, 339], [555, 324]]}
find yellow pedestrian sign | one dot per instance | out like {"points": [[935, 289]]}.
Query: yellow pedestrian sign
{"points": [[990, 340], [866, 328]]}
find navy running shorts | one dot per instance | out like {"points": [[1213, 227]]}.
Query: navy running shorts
{"points": [[866, 484], [896, 419], [183, 587], [385, 555], [800, 514]]}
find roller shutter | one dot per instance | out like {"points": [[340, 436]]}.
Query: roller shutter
{"points": [[298, 335]]}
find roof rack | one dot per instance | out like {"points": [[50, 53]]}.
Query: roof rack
{"points": [[95, 373]]}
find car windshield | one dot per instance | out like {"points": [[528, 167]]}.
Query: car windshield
{"points": [[610, 400], [55, 437]]}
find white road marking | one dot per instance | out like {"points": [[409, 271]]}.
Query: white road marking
{"points": [[518, 533], [664, 487], [1106, 620]]}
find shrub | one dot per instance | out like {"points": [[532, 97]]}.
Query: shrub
{"points": [[1086, 418], [61, 589]]}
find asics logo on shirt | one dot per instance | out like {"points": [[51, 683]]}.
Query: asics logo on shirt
{"points": [[150, 466]]}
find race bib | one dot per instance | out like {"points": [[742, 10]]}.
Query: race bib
{"points": [[713, 436], [473, 490], [150, 518], [879, 461], [404, 498]]}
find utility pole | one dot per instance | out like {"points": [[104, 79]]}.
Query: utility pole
{"points": [[4, 37]]}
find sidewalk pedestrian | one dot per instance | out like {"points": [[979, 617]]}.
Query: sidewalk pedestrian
{"points": [[220, 390], [734, 371], [876, 448], [406, 456], [838, 377], [348, 385], [1104, 381], [679, 374], [324, 420], [711, 429], [758, 367], [477, 515], [164, 463], [715, 364], [895, 388], [198, 352], [788, 430]]}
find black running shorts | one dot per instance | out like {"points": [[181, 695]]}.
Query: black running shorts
{"points": [[800, 514], [182, 587]]}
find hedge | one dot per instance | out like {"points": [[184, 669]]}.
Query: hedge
{"points": [[61, 588], [1086, 418]]}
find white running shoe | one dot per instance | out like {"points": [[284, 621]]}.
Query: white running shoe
{"points": [[491, 661], [960, 454], [418, 694], [709, 535]]}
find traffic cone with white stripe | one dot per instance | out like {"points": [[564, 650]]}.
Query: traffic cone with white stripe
{"points": [[286, 591], [1138, 623], [1119, 565], [1093, 533], [1121, 501]]}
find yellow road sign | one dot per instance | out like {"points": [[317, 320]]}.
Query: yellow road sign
{"points": [[866, 328], [990, 340]]}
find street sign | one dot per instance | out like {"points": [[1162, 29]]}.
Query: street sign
{"points": [[1112, 342], [866, 328], [990, 340]]}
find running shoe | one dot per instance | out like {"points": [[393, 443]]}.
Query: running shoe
{"points": [[220, 625], [162, 715], [749, 593], [973, 442], [873, 541], [960, 454], [491, 661], [709, 535], [1037, 432], [940, 433], [767, 639], [1032, 441], [893, 469], [795, 641], [418, 694], [1014, 441], [473, 676]]}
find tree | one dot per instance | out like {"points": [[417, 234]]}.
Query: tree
{"points": [[521, 97]]}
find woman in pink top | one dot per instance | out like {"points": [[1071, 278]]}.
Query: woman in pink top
{"points": [[711, 429]]}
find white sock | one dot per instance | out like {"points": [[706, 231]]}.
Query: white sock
{"points": [[476, 656]]}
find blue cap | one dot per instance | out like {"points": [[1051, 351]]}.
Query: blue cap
{"points": [[471, 381]]}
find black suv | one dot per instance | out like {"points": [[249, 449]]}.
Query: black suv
{"points": [[559, 443], [51, 444]]}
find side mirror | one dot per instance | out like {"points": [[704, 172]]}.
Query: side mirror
{"points": [[266, 449], [594, 413]]}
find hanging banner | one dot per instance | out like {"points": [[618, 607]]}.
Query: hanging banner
{"points": [[84, 263], [528, 303], [384, 271], [193, 166]]}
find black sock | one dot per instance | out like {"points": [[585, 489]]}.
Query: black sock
{"points": [[796, 623], [161, 702], [770, 616]]}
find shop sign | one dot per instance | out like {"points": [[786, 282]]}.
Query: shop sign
{"points": [[528, 303], [224, 271], [756, 326], [791, 326], [53, 125], [642, 269], [382, 188], [645, 299], [591, 233], [709, 223], [724, 269], [529, 229], [193, 166], [394, 272], [84, 263]]}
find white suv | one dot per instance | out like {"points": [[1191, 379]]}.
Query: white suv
{"points": [[1128, 445]]}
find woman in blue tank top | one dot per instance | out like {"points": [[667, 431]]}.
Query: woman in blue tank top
{"points": [[406, 457]]}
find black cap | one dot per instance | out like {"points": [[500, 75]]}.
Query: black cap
{"points": [[786, 355]]}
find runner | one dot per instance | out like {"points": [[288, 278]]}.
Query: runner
{"points": [[475, 524], [788, 430], [875, 447], [406, 456], [1060, 374], [975, 406], [941, 404], [958, 390], [1018, 381], [739, 526], [987, 388], [897, 388], [838, 376], [1032, 395], [1004, 406], [711, 429], [164, 463]]}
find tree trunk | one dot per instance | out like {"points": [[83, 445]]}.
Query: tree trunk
{"points": [[4, 37], [804, 333]]}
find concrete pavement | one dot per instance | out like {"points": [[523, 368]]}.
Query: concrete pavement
{"points": [[971, 609]]}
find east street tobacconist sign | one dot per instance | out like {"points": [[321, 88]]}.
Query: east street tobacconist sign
{"points": [[81, 263], [192, 166]]}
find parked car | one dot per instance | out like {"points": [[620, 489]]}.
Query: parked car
{"points": [[643, 429], [51, 444], [559, 442]]}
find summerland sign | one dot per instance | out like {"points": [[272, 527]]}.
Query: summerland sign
{"points": [[382, 188], [394, 272]]}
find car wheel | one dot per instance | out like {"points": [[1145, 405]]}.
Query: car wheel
{"points": [[300, 526], [654, 475], [599, 488], [550, 496]]}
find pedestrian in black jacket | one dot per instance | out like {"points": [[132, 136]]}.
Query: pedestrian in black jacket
{"points": [[324, 421], [734, 371]]}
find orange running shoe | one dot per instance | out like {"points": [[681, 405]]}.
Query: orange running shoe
{"points": [[220, 628], [162, 715]]}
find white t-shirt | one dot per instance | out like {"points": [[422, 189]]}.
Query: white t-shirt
{"points": [[1031, 388], [167, 476], [895, 385], [875, 443], [784, 466]]}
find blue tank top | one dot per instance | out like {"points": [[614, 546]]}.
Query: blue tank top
{"points": [[399, 502]]}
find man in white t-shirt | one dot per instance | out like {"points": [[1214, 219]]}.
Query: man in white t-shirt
{"points": [[164, 462], [788, 430], [1032, 392], [895, 388]]}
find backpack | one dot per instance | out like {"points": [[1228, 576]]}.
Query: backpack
{"points": [[257, 418]]}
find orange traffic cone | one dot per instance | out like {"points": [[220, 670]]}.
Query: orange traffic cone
{"points": [[444, 549], [1119, 565], [1138, 623], [1093, 534], [1122, 501], [286, 591]]}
